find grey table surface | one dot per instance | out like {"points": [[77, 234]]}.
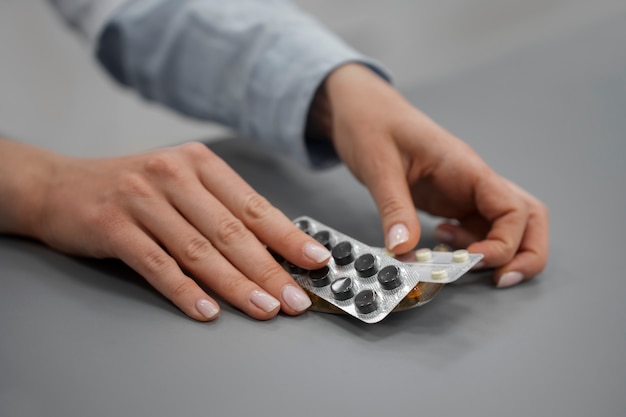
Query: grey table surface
{"points": [[89, 338]]}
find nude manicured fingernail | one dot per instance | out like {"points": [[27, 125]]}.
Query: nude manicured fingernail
{"points": [[443, 236], [264, 301], [295, 298], [397, 234], [509, 279], [317, 253], [207, 308]]}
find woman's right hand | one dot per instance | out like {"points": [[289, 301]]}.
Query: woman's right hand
{"points": [[164, 213]]}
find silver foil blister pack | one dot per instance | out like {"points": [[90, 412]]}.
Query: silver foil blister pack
{"points": [[368, 282]]}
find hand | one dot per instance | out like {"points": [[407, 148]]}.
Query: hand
{"points": [[407, 161], [162, 213]]}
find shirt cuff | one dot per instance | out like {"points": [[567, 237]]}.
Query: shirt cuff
{"points": [[285, 84], [250, 65]]}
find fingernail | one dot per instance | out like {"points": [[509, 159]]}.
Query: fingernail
{"points": [[207, 308], [397, 234], [443, 236], [315, 252], [509, 279], [264, 301], [295, 298]]}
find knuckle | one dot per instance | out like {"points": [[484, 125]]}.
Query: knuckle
{"points": [[269, 272], [256, 207], [156, 262], [294, 238], [391, 207], [504, 252], [195, 149], [163, 165], [132, 184], [232, 285], [230, 231], [183, 289], [197, 249]]}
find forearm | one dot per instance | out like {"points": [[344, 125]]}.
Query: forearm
{"points": [[251, 65]]}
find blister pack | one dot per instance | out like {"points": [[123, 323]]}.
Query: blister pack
{"points": [[367, 282], [440, 267]]}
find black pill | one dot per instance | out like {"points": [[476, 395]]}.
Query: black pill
{"points": [[389, 277], [342, 253], [365, 265], [323, 237], [365, 301], [304, 225], [320, 277], [295, 269], [342, 288]]}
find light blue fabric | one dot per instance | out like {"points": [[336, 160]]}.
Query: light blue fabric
{"points": [[253, 65]]}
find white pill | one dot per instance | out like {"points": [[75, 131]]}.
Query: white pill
{"points": [[439, 273], [423, 255], [460, 255]]}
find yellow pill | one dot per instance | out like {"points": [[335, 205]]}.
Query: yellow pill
{"points": [[423, 255], [442, 247], [439, 273], [460, 255]]}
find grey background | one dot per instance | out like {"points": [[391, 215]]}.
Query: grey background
{"points": [[537, 87]]}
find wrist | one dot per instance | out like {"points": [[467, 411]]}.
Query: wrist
{"points": [[24, 172], [350, 76], [352, 86]]}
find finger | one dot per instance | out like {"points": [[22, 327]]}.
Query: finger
{"points": [[207, 262], [455, 235], [230, 237], [533, 252], [220, 251], [267, 223], [386, 180], [139, 251], [233, 241], [209, 266], [507, 212]]}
